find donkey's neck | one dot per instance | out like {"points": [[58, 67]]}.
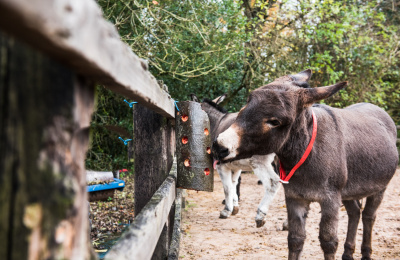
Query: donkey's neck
{"points": [[296, 144], [215, 117]]}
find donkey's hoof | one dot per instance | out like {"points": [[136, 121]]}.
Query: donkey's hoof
{"points": [[235, 210], [260, 222], [223, 202], [347, 257], [224, 214], [329, 256], [260, 218], [285, 225], [259, 182], [366, 258]]}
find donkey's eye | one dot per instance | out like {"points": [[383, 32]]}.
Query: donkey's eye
{"points": [[273, 122]]}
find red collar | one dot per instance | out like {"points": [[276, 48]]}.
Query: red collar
{"points": [[285, 178]]}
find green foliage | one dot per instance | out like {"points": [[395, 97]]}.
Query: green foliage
{"points": [[210, 47], [112, 118], [214, 47], [193, 46], [352, 41]]}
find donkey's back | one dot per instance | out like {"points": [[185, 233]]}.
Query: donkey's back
{"points": [[369, 146]]}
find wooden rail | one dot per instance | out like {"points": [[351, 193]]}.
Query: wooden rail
{"points": [[43, 211], [75, 33], [141, 239], [176, 234]]}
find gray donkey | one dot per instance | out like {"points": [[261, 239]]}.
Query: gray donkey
{"points": [[354, 156], [220, 120]]}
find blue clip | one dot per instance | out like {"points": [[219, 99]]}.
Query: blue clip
{"points": [[125, 141], [130, 103], [176, 104]]}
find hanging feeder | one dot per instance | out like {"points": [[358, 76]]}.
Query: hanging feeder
{"points": [[194, 161]]}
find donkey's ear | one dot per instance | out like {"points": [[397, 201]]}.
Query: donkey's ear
{"points": [[312, 95], [219, 99], [303, 76], [194, 98]]}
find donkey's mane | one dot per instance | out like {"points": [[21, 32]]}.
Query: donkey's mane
{"points": [[215, 105]]}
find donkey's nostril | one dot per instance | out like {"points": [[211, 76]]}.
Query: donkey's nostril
{"points": [[223, 152], [220, 152]]}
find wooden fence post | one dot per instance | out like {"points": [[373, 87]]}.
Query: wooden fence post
{"points": [[45, 110], [44, 116], [154, 148]]}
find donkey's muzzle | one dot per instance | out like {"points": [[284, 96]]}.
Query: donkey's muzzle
{"points": [[219, 151]]}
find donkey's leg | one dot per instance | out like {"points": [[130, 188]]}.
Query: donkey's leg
{"points": [[353, 211], [238, 187], [297, 213], [328, 227], [271, 186], [368, 219], [237, 190], [235, 181], [226, 178]]}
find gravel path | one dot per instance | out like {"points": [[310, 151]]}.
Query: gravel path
{"points": [[205, 236]]}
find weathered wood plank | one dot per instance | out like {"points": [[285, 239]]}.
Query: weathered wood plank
{"points": [[7, 181], [176, 235], [194, 161], [75, 33], [163, 245], [140, 240], [45, 111], [154, 148]]}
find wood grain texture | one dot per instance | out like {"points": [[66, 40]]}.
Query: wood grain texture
{"points": [[45, 112], [75, 33], [140, 240], [194, 150], [154, 148], [173, 253]]}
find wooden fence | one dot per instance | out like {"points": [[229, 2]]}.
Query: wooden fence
{"points": [[52, 53]]}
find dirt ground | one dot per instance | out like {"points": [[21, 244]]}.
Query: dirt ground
{"points": [[109, 218], [205, 236]]}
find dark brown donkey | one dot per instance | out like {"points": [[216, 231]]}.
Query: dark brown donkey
{"points": [[354, 156]]}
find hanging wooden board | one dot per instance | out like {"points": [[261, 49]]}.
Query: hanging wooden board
{"points": [[195, 171]]}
